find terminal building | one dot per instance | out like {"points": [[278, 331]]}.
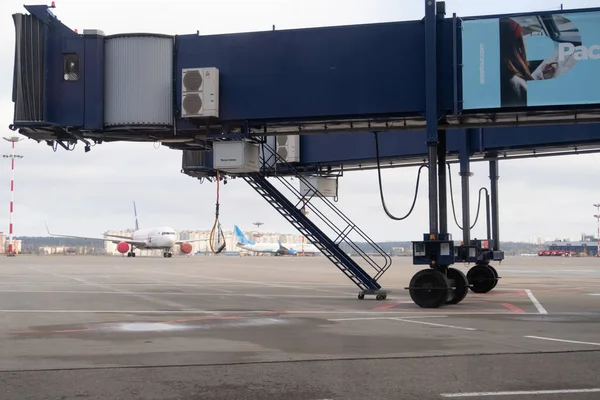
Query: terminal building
{"points": [[587, 246]]}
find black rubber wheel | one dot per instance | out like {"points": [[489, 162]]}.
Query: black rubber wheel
{"points": [[361, 296], [495, 274], [481, 278], [429, 288], [380, 297], [459, 281]]}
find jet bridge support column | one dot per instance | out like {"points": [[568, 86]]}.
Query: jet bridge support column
{"points": [[438, 284], [482, 277]]}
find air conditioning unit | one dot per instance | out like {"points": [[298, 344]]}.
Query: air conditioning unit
{"points": [[236, 157], [199, 92], [325, 186], [288, 148]]}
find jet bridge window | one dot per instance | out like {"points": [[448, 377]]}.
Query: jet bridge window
{"points": [[71, 67]]}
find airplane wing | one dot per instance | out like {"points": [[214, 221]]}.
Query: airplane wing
{"points": [[117, 236], [191, 240], [121, 238]]}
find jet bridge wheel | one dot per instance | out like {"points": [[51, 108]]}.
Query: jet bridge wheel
{"points": [[460, 283], [495, 273], [482, 278], [429, 288]]}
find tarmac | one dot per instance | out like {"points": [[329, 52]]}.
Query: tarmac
{"points": [[289, 327]]}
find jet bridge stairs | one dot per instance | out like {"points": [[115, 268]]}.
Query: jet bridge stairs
{"points": [[331, 249]]}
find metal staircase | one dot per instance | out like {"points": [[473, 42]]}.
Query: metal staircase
{"points": [[330, 248]]}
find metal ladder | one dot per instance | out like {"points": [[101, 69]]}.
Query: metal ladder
{"points": [[330, 248]]}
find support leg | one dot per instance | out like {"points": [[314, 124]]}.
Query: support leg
{"points": [[443, 195], [483, 277], [495, 212], [465, 172], [430, 288]]}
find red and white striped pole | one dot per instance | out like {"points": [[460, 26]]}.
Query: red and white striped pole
{"points": [[12, 156]]}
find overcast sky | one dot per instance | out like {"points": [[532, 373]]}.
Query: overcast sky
{"points": [[88, 193]]}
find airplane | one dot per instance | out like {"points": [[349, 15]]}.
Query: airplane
{"points": [[162, 237], [275, 248]]}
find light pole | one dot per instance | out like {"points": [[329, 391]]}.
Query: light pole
{"points": [[13, 139], [597, 216]]}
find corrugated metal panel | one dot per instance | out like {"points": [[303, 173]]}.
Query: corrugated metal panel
{"points": [[138, 87], [28, 79]]}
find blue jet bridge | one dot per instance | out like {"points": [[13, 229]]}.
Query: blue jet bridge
{"points": [[315, 103]]}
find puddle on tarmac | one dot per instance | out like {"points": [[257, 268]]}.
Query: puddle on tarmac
{"points": [[170, 327], [149, 327]]}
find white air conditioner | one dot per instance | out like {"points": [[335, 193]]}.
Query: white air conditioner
{"points": [[325, 186], [288, 148], [199, 92]]}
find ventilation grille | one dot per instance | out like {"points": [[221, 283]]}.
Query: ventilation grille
{"points": [[192, 81], [192, 103]]}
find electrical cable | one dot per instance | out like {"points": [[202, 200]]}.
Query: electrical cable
{"points": [[412, 207], [216, 229], [452, 201]]}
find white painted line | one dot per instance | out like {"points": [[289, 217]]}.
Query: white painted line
{"points": [[299, 312], [535, 302], [521, 393], [594, 294], [563, 340], [379, 318], [431, 323], [134, 293]]}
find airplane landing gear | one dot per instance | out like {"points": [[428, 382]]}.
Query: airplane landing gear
{"points": [[167, 254], [131, 254]]}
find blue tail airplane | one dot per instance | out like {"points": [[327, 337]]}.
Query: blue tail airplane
{"points": [[275, 248]]}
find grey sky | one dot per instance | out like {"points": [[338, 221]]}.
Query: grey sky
{"points": [[88, 193]]}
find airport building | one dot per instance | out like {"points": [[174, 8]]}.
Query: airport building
{"points": [[203, 247], [4, 244], [587, 246]]}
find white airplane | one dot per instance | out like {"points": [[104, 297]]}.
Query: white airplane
{"points": [[163, 238], [276, 248]]}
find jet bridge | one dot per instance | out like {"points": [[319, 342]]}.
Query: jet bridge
{"points": [[315, 103]]}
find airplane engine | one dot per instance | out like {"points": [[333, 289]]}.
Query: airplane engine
{"points": [[123, 247], [185, 247]]}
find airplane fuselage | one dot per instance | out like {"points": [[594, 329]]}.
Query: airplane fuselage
{"points": [[163, 237], [275, 248]]}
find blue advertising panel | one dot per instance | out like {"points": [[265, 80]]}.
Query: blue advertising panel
{"points": [[531, 60]]}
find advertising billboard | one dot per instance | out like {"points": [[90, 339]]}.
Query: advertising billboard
{"points": [[531, 60]]}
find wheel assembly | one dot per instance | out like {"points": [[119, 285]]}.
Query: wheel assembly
{"points": [[429, 288], [458, 281], [495, 274], [482, 278]]}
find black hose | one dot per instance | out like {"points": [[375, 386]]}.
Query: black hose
{"points": [[412, 207]]}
